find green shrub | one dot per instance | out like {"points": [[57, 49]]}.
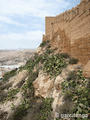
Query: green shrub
{"points": [[34, 61], [31, 78], [5, 86], [53, 64], [65, 55], [21, 68], [42, 114], [29, 85], [66, 108], [49, 51], [72, 76], [67, 96], [73, 61], [28, 95], [46, 109], [76, 88], [12, 106], [12, 93], [10, 74], [30, 65], [57, 119], [21, 110], [29, 99], [44, 43]]}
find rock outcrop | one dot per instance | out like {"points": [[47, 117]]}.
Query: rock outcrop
{"points": [[45, 88], [52, 83]]}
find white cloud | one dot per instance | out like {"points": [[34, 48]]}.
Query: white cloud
{"points": [[1, 26], [8, 20], [29, 39], [39, 8], [27, 9]]}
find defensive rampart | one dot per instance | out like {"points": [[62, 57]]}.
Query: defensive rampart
{"points": [[70, 31]]}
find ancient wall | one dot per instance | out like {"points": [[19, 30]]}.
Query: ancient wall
{"points": [[70, 31]]}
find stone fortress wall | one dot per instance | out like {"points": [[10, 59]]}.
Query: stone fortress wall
{"points": [[70, 31]]}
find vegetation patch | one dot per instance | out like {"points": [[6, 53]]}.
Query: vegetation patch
{"points": [[29, 100], [53, 64], [65, 55], [3, 96], [11, 93], [5, 85], [50, 63], [73, 61], [32, 63], [28, 94], [46, 109], [49, 51], [76, 88], [44, 43], [28, 90], [10, 74], [66, 108], [21, 110]]}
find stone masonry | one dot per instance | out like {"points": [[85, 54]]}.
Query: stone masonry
{"points": [[69, 32]]}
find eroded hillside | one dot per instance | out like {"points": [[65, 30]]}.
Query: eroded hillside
{"points": [[53, 83], [49, 85]]}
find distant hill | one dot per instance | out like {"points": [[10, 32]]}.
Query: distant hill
{"points": [[9, 57]]}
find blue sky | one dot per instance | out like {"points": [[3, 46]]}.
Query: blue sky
{"points": [[22, 22]]}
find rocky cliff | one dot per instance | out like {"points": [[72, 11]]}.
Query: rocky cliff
{"points": [[51, 85]]}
